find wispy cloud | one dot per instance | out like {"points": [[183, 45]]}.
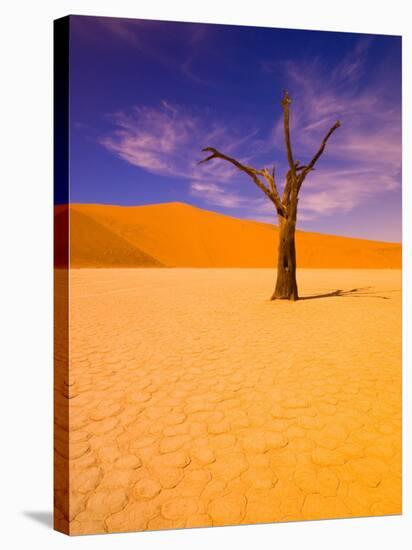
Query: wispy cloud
{"points": [[217, 195], [167, 141], [363, 159]]}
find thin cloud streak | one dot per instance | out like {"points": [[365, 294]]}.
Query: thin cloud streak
{"points": [[363, 159], [167, 141]]}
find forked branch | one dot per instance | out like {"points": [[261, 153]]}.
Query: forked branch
{"points": [[286, 205], [288, 184], [271, 192], [265, 180]]}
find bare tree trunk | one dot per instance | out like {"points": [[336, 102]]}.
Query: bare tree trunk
{"points": [[286, 206], [286, 285]]}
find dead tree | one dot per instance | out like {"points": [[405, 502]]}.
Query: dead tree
{"points": [[286, 206]]}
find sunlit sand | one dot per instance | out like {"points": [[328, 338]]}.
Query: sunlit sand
{"points": [[196, 401], [180, 235]]}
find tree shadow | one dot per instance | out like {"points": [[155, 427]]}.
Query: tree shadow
{"points": [[43, 517], [364, 292]]}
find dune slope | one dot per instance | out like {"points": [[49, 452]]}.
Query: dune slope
{"points": [[94, 245], [180, 235]]}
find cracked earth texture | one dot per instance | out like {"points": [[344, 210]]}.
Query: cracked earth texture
{"points": [[195, 401]]}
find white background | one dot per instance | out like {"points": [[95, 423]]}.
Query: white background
{"points": [[26, 271]]}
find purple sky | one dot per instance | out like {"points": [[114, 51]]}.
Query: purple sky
{"points": [[146, 96]]}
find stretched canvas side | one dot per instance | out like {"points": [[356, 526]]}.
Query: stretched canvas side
{"points": [[61, 512]]}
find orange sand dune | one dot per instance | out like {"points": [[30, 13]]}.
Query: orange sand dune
{"points": [[94, 245], [180, 235]]}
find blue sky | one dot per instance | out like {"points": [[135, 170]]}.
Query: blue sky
{"points": [[147, 96]]}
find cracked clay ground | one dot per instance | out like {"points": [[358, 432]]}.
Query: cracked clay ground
{"points": [[195, 401]]}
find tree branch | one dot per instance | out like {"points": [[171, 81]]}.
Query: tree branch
{"points": [[270, 178], [312, 163], [285, 104], [286, 189], [288, 185], [270, 192]]}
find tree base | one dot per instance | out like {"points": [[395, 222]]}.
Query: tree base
{"points": [[291, 298], [286, 286]]}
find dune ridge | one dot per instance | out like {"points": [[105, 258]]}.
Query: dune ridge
{"points": [[181, 235]]}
